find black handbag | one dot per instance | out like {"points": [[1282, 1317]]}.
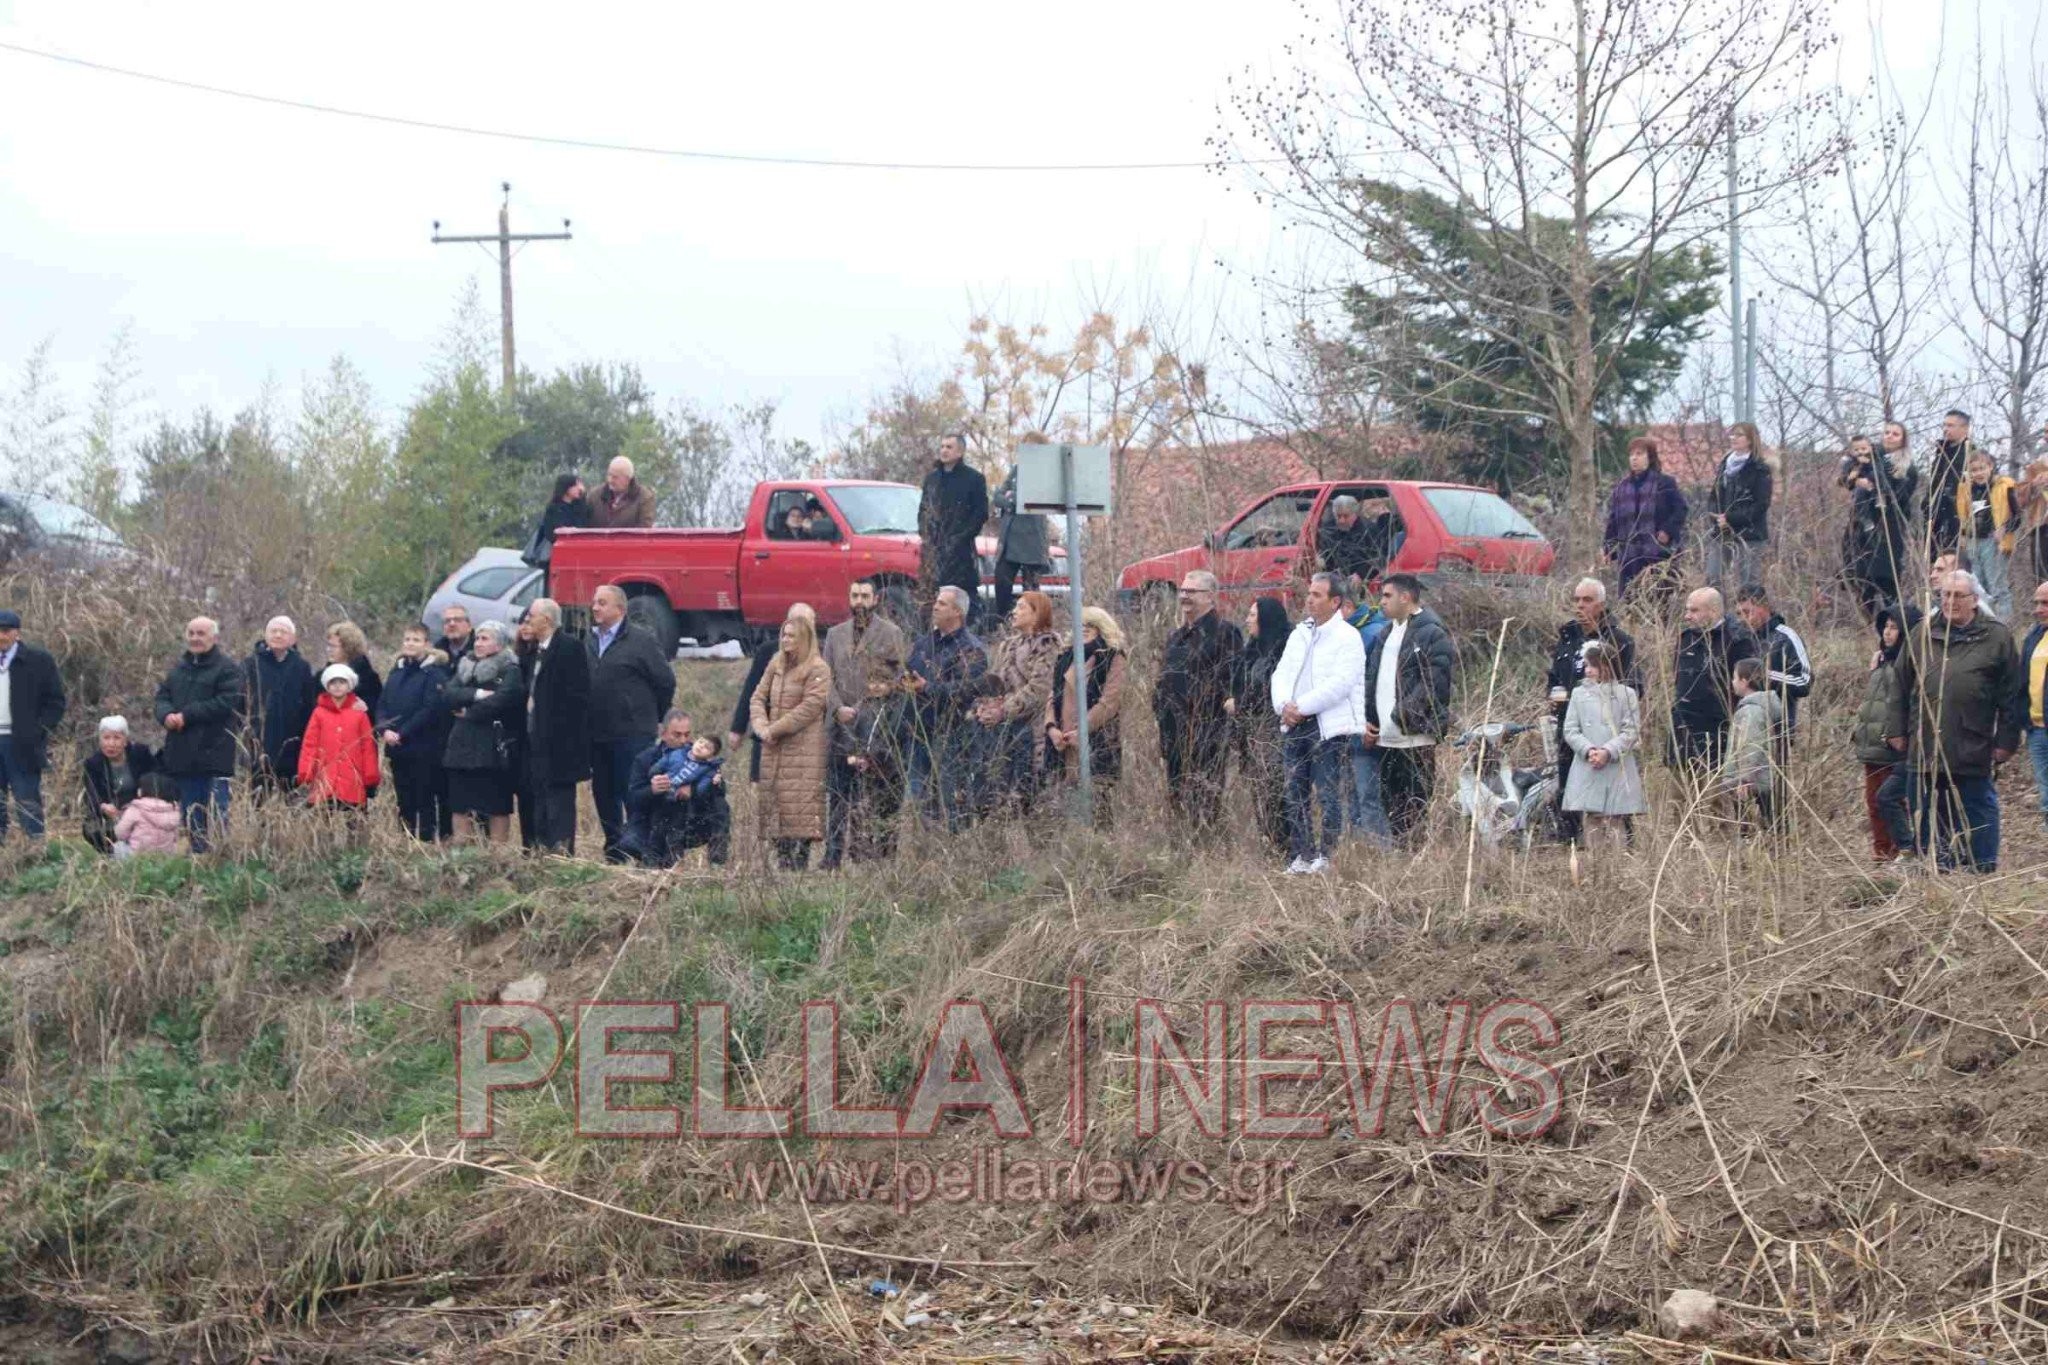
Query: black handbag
{"points": [[540, 548]]}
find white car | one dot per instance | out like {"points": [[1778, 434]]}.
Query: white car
{"points": [[55, 533], [495, 585]]}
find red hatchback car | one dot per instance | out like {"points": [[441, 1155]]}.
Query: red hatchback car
{"points": [[1431, 530]]}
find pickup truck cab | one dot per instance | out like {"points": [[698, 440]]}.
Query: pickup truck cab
{"points": [[717, 585], [1431, 530]]}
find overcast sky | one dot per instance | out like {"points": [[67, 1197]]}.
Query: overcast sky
{"points": [[248, 242]]}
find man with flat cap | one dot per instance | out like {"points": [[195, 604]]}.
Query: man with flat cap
{"points": [[31, 704]]}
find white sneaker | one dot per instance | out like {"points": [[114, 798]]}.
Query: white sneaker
{"points": [[1299, 866], [1318, 867]]}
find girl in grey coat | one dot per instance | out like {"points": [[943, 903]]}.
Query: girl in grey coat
{"points": [[1603, 726]]}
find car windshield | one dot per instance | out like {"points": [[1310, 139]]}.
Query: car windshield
{"points": [[75, 523], [1474, 514], [877, 509]]}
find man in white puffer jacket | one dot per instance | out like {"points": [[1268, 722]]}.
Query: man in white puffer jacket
{"points": [[1321, 679]]}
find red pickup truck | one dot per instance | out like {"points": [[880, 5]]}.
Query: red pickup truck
{"points": [[1427, 529], [717, 585]]}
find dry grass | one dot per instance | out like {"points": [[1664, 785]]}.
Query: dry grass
{"points": [[1811, 1087]]}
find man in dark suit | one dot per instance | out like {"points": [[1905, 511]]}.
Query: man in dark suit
{"points": [[31, 704], [557, 726], [950, 514], [631, 684]]}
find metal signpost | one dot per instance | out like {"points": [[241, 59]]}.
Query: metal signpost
{"points": [[1074, 480]]}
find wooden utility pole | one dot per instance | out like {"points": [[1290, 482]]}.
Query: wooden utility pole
{"points": [[505, 237]]}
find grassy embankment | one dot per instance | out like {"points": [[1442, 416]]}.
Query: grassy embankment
{"points": [[1812, 1088]]}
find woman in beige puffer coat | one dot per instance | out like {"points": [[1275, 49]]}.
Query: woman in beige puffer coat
{"points": [[788, 716]]}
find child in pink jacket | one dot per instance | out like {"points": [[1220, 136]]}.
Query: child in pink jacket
{"points": [[151, 821]]}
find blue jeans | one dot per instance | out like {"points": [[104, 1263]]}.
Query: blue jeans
{"points": [[1993, 568], [2037, 749], [1368, 813], [1313, 764], [1957, 810], [203, 805], [25, 787]]}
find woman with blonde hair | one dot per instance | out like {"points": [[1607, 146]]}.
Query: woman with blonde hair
{"points": [[1011, 710], [1102, 655], [787, 715], [347, 645]]}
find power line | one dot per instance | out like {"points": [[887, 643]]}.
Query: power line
{"points": [[591, 144]]}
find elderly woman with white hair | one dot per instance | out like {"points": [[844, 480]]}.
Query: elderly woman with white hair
{"points": [[487, 697], [282, 692], [113, 771]]}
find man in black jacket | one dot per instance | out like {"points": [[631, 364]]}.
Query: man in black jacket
{"points": [[631, 685], [1703, 683], [1409, 672], [1590, 621], [557, 726], [1351, 547], [282, 693], [31, 704], [1784, 653], [1946, 466], [1187, 701], [200, 705], [950, 514]]}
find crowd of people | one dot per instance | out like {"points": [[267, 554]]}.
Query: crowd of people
{"points": [[1333, 722]]}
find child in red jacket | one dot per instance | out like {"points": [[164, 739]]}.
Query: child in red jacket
{"points": [[338, 760]]}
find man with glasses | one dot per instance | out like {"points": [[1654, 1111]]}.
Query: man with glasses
{"points": [[1187, 702], [456, 638], [1590, 621], [1956, 717]]}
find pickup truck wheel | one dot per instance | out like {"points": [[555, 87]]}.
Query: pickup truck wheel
{"points": [[653, 613]]}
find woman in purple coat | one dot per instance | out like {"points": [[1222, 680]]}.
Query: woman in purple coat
{"points": [[1645, 518]]}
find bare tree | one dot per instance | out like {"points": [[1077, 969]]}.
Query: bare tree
{"points": [[1858, 274], [1581, 139], [2003, 311]]}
